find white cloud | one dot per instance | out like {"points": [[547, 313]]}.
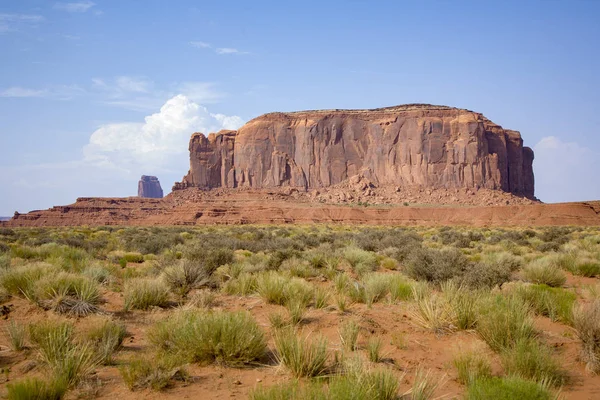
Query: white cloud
{"points": [[13, 22], [229, 50], [565, 171], [200, 45], [58, 92], [218, 50], [154, 142], [132, 84], [75, 7]]}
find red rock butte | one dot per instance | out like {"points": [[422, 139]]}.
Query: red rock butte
{"points": [[414, 164], [415, 145]]}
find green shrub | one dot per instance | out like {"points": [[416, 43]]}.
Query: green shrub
{"points": [[321, 298], [586, 321], [504, 321], [374, 349], [544, 272], [436, 265], [16, 333], [156, 371], [487, 274], [19, 281], [555, 303], [425, 385], [270, 286], [185, 276], [507, 389], [471, 366], [463, 304], [67, 293], [205, 337], [107, 337], [529, 359], [349, 332], [243, 285], [361, 261], [401, 289], [36, 389], [376, 287], [143, 293], [303, 357]]}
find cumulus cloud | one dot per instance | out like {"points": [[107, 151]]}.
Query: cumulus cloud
{"points": [[565, 171], [158, 142], [75, 7]]}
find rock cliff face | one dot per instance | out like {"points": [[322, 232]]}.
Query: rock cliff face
{"points": [[149, 187], [414, 145]]}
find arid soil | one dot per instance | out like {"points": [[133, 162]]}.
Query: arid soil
{"points": [[359, 203]]}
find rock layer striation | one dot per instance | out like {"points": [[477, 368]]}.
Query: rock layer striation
{"points": [[415, 145], [149, 187]]}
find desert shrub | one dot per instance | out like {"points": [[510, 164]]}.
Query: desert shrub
{"points": [[321, 297], [133, 257], [19, 281], [296, 309], [185, 275], [302, 356], [374, 349], [555, 303], [376, 287], [67, 293], [530, 359], [287, 391], [143, 293], [297, 267], [349, 332], [471, 366], [107, 337], [360, 260], [377, 384], [487, 274], [149, 241], [278, 256], [424, 385], [401, 289], [16, 333], [586, 321], [270, 286], [243, 285], [203, 299], [156, 371], [205, 337], [507, 389], [97, 273], [433, 313], [436, 265], [543, 271], [67, 361], [463, 304], [504, 321], [5, 260], [36, 389], [560, 235]]}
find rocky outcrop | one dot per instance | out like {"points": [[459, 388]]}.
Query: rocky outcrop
{"points": [[414, 145], [149, 187]]}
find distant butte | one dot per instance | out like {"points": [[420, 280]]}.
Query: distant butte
{"points": [[149, 187]]}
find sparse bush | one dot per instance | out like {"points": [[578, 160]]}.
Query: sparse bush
{"points": [[153, 371], [425, 385], [19, 281], [243, 285], [67, 293], [374, 349], [107, 337], [302, 356], [16, 333], [471, 366], [349, 331], [436, 265], [321, 297], [203, 299], [504, 321], [376, 287], [205, 337], [433, 313], [271, 287], [184, 276], [529, 359], [401, 289], [36, 389], [487, 274], [555, 303], [463, 304], [361, 261], [544, 272], [507, 389], [586, 320], [143, 293]]}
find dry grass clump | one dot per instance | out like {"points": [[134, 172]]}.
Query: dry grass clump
{"points": [[67, 293], [433, 313], [586, 320], [36, 389], [302, 356], [156, 371], [555, 303], [143, 293], [543, 271], [425, 384], [349, 332], [16, 333], [231, 338], [185, 275], [503, 321], [472, 365], [106, 336]]}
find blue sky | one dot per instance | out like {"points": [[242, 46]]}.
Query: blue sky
{"points": [[94, 94]]}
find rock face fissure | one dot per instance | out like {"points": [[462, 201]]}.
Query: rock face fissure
{"points": [[149, 187], [412, 145]]}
